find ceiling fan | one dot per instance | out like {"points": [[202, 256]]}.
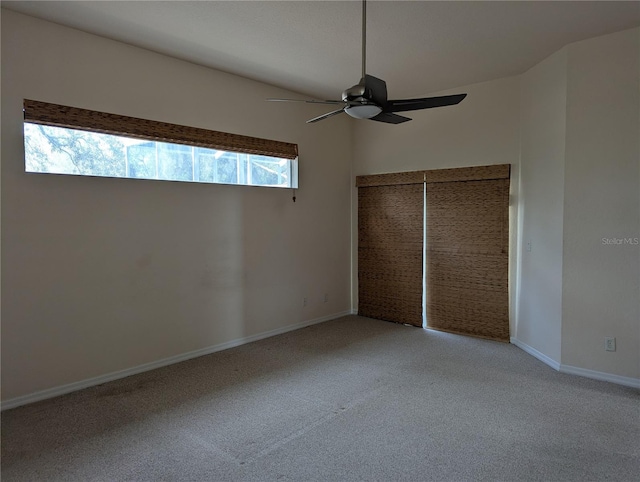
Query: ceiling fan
{"points": [[368, 98]]}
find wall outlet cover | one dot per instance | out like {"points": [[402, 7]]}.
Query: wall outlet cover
{"points": [[610, 343]]}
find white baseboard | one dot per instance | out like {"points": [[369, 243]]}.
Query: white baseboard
{"points": [[536, 354], [606, 377], [571, 370], [90, 382]]}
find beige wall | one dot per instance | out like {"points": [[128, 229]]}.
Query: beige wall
{"points": [[542, 145], [104, 274], [100, 275], [602, 282], [483, 129], [570, 128]]}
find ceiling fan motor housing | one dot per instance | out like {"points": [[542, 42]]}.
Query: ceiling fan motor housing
{"points": [[355, 93]]}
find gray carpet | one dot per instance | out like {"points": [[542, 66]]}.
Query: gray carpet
{"points": [[349, 399]]}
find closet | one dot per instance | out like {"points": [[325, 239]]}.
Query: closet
{"points": [[440, 236]]}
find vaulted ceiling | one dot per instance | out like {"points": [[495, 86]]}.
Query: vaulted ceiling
{"points": [[313, 47]]}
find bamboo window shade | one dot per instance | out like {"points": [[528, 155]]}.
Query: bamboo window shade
{"points": [[390, 226], [467, 217], [75, 118], [468, 257]]}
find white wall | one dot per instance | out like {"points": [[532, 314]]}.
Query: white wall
{"points": [[542, 145], [601, 289], [104, 274]]}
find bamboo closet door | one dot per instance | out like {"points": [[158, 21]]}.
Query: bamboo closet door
{"points": [[467, 226], [468, 257], [390, 233]]}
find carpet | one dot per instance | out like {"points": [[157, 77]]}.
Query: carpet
{"points": [[352, 399]]}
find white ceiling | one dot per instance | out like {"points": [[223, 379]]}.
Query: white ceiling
{"points": [[313, 47]]}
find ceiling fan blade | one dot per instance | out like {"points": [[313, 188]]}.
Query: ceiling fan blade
{"points": [[376, 89], [426, 103], [310, 101], [325, 116], [390, 118]]}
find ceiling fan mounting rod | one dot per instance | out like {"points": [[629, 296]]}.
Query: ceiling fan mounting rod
{"points": [[364, 38]]}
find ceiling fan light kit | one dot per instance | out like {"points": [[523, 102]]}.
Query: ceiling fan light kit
{"points": [[368, 98], [363, 111]]}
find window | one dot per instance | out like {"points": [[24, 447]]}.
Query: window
{"points": [[67, 140]]}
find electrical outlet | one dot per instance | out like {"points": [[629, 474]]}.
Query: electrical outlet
{"points": [[305, 301], [610, 343], [326, 297]]}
